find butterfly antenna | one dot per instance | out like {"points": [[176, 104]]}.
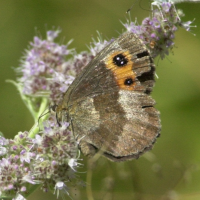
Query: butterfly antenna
{"points": [[140, 1], [131, 7], [42, 115], [140, 4], [54, 110]]}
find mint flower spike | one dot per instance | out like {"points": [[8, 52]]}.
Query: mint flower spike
{"points": [[158, 30], [97, 44], [49, 160], [44, 69], [159, 3]]}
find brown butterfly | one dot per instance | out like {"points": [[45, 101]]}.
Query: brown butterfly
{"points": [[108, 104]]}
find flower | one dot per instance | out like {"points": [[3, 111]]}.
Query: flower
{"points": [[61, 187], [158, 31], [19, 197], [48, 159], [42, 64], [10, 175], [3, 146], [73, 163]]}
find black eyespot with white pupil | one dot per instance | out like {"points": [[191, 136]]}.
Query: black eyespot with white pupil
{"points": [[120, 60], [128, 81]]}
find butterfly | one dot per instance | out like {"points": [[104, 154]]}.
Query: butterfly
{"points": [[109, 106]]}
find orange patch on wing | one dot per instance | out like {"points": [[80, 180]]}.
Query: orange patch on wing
{"points": [[122, 73]]}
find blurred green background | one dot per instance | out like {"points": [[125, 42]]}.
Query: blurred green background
{"points": [[171, 169]]}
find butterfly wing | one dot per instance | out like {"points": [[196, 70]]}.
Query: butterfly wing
{"points": [[109, 104]]}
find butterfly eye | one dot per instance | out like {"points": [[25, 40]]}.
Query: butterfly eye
{"points": [[120, 60], [128, 81]]}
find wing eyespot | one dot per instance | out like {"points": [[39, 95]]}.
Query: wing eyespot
{"points": [[128, 81], [120, 60]]}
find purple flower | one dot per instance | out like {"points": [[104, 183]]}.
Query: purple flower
{"points": [[60, 187], [41, 62], [73, 163], [3, 146], [29, 178], [158, 31], [166, 6], [49, 159], [187, 25], [97, 46]]}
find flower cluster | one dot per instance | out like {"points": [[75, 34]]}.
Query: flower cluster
{"points": [[158, 31], [41, 65], [50, 160]]}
